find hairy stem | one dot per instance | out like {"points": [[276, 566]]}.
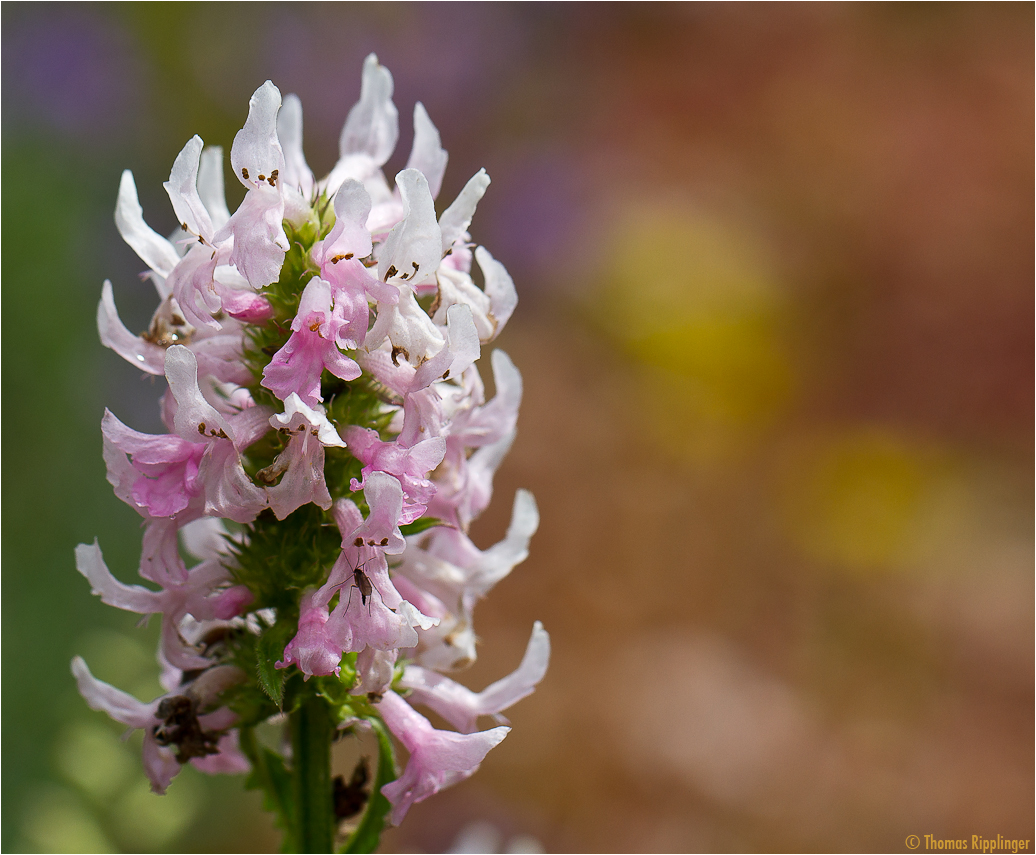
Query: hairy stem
{"points": [[311, 733]]}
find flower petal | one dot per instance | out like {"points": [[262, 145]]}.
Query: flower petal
{"points": [[160, 764], [498, 561], [132, 598], [372, 127], [259, 239], [227, 761], [413, 249], [154, 250], [384, 496], [427, 154], [256, 155], [455, 219], [182, 188], [297, 173], [499, 286], [349, 236], [229, 492], [134, 349], [99, 695], [196, 419], [461, 349], [210, 185], [438, 758]]}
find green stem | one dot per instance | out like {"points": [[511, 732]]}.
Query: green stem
{"points": [[311, 733], [368, 833]]}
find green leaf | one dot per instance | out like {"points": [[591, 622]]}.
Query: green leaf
{"points": [[270, 775], [252, 705], [368, 833], [269, 650], [331, 690], [419, 525]]}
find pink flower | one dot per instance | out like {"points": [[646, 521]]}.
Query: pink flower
{"points": [[167, 466], [438, 758], [259, 241], [460, 706], [384, 497], [203, 594], [201, 460], [371, 129], [314, 648], [174, 731], [436, 358], [247, 247], [339, 254], [321, 326], [192, 280], [370, 612], [374, 671], [349, 238], [218, 352], [448, 566], [409, 466], [302, 461], [360, 621]]}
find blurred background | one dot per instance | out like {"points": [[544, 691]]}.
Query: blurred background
{"points": [[776, 327]]}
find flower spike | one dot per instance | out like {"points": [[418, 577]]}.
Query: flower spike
{"points": [[320, 347]]}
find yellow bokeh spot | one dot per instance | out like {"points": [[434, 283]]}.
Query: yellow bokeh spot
{"points": [[150, 822], [124, 661], [55, 821], [91, 756], [693, 302], [861, 501], [115, 657]]}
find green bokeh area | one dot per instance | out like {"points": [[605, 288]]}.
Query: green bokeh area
{"points": [[70, 783]]}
